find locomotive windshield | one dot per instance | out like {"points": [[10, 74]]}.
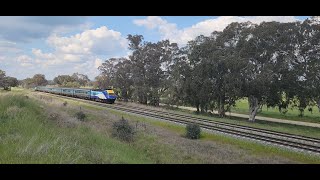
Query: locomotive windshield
{"points": [[111, 92]]}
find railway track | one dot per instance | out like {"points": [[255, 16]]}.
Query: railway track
{"points": [[297, 142], [286, 135]]}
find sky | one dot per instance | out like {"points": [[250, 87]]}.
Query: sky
{"points": [[63, 45]]}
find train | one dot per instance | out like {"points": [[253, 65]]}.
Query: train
{"points": [[106, 96]]}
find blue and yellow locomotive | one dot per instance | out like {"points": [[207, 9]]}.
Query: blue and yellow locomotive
{"points": [[107, 95]]}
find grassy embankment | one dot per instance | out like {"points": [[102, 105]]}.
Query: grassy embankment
{"points": [[29, 134]]}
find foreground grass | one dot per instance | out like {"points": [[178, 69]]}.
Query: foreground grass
{"points": [[28, 137], [292, 114]]}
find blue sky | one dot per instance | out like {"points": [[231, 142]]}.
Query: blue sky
{"points": [[54, 45]]}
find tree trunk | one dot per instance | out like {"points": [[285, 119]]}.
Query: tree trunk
{"points": [[197, 108], [145, 99], [140, 96], [155, 101], [254, 106], [318, 103], [221, 109], [125, 95], [202, 109]]}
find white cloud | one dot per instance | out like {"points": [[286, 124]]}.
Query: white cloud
{"points": [[94, 41], [24, 58], [38, 53], [150, 22], [25, 61], [77, 53], [182, 36]]}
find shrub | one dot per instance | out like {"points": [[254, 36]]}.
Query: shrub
{"points": [[193, 131], [54, 116], [65, 103], [123, 130], [80, 116]]}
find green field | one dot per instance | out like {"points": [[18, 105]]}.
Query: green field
{"points": [[242, 107], [30, 134]]}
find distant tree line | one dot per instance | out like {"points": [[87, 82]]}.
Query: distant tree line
{"points": [[36, 80], [273, 64], [75, 80]]}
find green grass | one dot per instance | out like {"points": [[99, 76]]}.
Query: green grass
{"points": [[27, 136], [242, 107]]}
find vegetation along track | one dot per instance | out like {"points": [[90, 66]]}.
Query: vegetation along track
{"points": [[284, 139]]}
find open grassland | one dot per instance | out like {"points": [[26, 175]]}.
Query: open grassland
{"points": [[242, 107], [40, 129]]}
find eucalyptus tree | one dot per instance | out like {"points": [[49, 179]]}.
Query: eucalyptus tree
{"points": [[198, 88], [102, 81], [258, 51], [40, 80], [150, 63], [229, 81], [82, 79], [63, 80], [123, 78], [307, 63], [138, 60], [179, 76]]}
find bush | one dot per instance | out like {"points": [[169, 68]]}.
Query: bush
{"points": [[123, 130], [193, 131], [65, 103], [80, 115], [54, 116]]}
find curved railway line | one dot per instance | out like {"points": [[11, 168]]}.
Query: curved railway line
{"points": [[297, 142]]}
